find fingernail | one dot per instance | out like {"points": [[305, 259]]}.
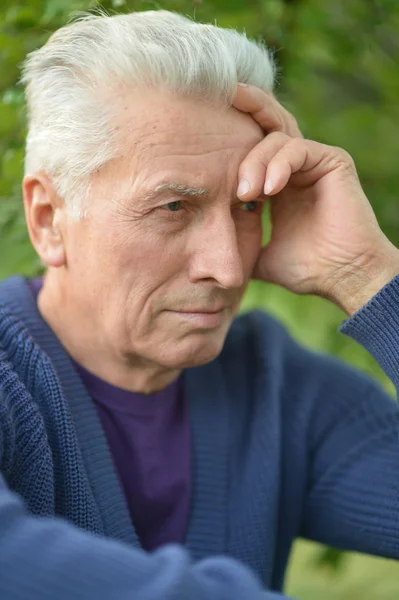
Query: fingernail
{"points": [[268, 186], [242, 84], [243, 187]]}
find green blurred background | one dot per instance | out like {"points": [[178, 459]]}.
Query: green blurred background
{"points": [[339, 74]]}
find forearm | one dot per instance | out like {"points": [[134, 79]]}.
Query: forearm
{"points": [[43, 559], [376, 327]]}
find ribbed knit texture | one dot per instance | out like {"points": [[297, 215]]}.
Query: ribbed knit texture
{"points": [[285, 442]]}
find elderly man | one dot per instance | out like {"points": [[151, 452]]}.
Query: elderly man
{"points": [[152, 445]]}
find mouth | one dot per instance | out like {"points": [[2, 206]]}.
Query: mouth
{"points": [[211, 310], [202, 318]]}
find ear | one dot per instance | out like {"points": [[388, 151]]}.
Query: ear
{"points": [[44, 212]]}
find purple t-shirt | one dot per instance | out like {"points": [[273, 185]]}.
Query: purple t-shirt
{"points": [[149, 439]]}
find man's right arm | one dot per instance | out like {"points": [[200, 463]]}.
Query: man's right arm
{"points": [[47, 558]]}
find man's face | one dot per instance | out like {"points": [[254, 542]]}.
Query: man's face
{"points": [[141, 270]]}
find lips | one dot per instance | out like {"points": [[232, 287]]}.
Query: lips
{"points": [[210, 311], [201, 319]]}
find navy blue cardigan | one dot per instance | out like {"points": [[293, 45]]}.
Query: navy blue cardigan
{"points": [[285, 443]]}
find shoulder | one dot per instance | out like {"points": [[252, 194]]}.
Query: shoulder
{"points": [[17, 346], [23, 367], [19, 318], [264, 346], [22, 427], [256, 329], [259, 337]]}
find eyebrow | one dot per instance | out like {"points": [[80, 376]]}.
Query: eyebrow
{"points": [[177, 188]]}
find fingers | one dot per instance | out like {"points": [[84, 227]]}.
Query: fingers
{"points": [[253, 168], [282, 127], [266, 110], [270, 165], [261, 107], [296, 155]]}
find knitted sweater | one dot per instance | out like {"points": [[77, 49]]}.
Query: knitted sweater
{"points": [[285, 443]]}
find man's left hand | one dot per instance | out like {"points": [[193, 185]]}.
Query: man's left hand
{"points": [[325, 238]]}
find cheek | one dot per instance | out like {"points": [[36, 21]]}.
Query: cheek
{"points": [[136, 275], [146, 256]]}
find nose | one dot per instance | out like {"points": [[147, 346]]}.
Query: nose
{"points": [[215, 255]]}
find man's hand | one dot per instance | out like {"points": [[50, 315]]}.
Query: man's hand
{"points": [[266, 110], [325, 237]]}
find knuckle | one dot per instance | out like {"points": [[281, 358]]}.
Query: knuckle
{"points": [[345, 158], [343, 154], [296, 144], [276, 136]]}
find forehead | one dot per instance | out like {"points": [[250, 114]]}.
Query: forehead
{"points": [[163, 123], [167, 138]]}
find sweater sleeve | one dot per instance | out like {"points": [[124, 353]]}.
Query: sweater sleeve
{"points": [[352, 500], [47, 558]]}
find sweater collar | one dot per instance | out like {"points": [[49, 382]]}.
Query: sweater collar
{"points": [[208, 409]]}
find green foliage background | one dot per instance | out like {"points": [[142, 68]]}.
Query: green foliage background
{"points": [[339, 74]]}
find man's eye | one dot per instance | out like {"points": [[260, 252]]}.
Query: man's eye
{"points": [[173, 206], [250, 206]]}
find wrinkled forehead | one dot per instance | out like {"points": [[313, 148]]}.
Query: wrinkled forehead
{"points": [[164, 137], [155, 119]]}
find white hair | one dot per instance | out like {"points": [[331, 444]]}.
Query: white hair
{"points": [[71, 131]]}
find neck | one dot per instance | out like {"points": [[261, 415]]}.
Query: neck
{"points": [[132, 373]]}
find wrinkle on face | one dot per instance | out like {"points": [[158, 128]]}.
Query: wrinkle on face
{"points": [[137, 262], [173, 135]]}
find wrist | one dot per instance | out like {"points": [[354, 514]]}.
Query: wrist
{"points": [[357, 289]]}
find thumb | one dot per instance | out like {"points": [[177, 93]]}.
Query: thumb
{"points": [[267, 267]]}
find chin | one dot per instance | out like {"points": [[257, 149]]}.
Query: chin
{"points": [[194, 353]]}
